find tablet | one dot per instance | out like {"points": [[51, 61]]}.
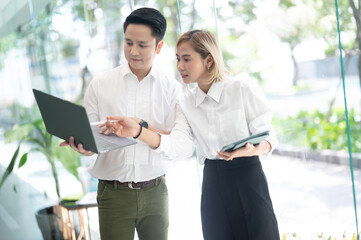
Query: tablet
{"points": [[254, 139]]}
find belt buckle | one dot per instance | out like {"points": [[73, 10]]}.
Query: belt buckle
{"points": [[131, 187]]}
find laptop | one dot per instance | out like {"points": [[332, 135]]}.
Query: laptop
{"points": [[65, 119]]}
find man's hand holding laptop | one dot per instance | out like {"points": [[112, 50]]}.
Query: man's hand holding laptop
{"points": [[80, 149], [107, 127]]}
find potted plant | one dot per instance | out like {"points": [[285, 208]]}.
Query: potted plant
{"points": [[35, 135]]}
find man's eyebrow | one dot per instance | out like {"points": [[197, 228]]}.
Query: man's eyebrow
{"points": [[130, 40]]}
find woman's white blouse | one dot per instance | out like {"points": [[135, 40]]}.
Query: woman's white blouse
{"points": [[230, 111]]}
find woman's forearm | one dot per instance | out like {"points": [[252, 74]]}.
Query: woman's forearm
{"points": [[150, 137]]}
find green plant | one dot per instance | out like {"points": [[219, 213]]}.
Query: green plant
{"points": [[317, 130], [34, 133]]}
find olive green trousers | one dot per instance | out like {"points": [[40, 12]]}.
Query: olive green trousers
{"points": [[123, 210]]}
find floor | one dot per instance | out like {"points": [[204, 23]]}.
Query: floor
{"points": [[310, 198]]}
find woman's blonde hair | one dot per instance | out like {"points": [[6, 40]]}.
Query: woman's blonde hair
{"points": [[204, 43]]}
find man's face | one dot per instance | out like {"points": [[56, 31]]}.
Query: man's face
{"points": [[140, 48]]}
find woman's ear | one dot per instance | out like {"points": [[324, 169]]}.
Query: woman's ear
{"points": [[209, 61], [159, 46]]}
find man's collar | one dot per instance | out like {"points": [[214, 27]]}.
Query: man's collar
{"points": [[128, 72], [153, 72]]}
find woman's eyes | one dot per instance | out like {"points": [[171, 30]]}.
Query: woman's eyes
{"points": [[185, 59]]}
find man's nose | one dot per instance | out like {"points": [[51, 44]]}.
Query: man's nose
{"points": [[134, 50]]}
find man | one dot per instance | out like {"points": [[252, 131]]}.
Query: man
{"points": [[132, 193]]}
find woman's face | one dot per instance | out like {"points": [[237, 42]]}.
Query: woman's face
{"points": [[190, 64]]}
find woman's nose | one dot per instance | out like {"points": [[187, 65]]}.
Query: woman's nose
{"points": [[179, 65]]}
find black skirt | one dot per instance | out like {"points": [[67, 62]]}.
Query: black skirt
{"points": [[236, 203]]}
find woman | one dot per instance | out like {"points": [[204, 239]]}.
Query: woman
{"points": [[235, 200]]}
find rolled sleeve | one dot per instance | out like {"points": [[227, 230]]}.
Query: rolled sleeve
{"points": [[260, 115]]}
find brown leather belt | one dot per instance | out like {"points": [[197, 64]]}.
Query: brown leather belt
{"points": [[133, 185]]}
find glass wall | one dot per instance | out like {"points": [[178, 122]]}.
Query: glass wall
{"points": [[290, 48]]}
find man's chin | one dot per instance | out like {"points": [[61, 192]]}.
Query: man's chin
{"points": [[136, 66]]}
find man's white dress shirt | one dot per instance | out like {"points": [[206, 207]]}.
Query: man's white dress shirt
{"points": [[119, 93], [231, 110]]}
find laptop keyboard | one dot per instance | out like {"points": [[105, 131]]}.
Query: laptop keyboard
{"points": [[106, 143], [103, 144]]}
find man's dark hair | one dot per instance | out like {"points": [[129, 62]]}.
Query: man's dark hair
{"points": [[150, 17]]}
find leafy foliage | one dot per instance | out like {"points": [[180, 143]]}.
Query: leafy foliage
{"points": [[34, 133], [318, 131]]}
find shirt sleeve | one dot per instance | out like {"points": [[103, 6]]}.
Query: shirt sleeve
{"points": [[90, 102], [259, 113], [179, 143]]}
